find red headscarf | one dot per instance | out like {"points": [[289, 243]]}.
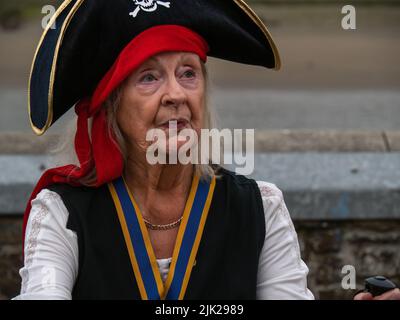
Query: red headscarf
{"points": [[102, 153]]}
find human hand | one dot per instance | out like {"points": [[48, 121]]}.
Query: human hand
{"points": [[389, 295]]}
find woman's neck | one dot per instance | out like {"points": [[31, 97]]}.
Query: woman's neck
{"points": [[154, 186], [160, 178]]}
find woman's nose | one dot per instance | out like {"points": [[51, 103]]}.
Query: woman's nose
{"points": [[174, 94]]}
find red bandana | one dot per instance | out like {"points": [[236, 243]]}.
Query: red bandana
{"points": [[102, 153]]}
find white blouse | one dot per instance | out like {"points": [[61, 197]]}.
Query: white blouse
{"points": [[51, 252]]}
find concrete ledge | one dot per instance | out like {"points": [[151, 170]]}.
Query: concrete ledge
{"points": [[26, 143], [393, 140], [18, 177], [331, 186], [266, 141], [326, 141], [335, 185]]}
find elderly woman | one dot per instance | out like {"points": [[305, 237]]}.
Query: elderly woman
{"points": [[115, 226]]}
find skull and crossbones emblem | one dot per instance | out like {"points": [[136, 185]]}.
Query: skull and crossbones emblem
{"points": [[148, 6]]}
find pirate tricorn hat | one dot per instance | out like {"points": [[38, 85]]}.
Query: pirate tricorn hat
{"points": [[84, 38]]}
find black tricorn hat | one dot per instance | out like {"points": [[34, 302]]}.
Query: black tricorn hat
{"points": [[85, 37]]}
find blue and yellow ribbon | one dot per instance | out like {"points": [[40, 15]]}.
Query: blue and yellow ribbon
{"points": [[141, 254]]}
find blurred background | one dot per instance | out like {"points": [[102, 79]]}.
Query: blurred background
{"points": [[327, 131]]}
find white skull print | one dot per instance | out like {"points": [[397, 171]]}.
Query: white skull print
{"points": [[148, 6]]}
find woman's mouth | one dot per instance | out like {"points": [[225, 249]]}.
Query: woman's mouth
{"points": [[175, 124]]}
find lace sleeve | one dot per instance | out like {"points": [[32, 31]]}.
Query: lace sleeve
{"points": [[282, 274], [51, 251]]}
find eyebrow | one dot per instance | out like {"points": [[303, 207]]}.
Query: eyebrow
{"points": [[156, 60], [145, 70], [146, 66]]}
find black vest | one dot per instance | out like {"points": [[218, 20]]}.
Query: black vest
{"points": [[227, 258]]}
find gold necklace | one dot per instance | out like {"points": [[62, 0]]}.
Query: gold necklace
{"points": [[159, 227]]}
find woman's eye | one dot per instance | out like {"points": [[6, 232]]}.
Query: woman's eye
{"points": [[189, 74], [147, 78]]}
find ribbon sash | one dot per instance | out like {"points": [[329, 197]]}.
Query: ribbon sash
{"points": [[137, 240]]}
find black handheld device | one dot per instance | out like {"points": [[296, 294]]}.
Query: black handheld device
{"points": [[378, 285]]}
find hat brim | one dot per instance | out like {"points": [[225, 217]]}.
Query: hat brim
{"points": [[72, 57]]}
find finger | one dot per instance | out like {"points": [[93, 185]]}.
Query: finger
{"points": [[390, 295], [363, 296]]}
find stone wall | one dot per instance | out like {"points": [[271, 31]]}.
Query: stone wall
{"points": [[371, 246], [10, 255]]}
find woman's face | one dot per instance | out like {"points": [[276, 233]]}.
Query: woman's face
{"points": [[167, 87]]}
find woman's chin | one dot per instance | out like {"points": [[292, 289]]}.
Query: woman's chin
{"points": [[172, 151]]}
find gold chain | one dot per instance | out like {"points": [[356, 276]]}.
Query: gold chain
{"points": [[152, 226], [168, 226]]}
